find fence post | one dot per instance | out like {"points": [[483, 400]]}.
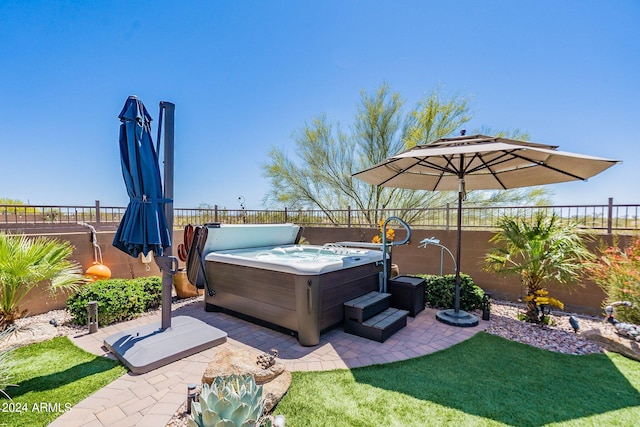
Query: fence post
{"points": [[215, 213], [348, 216], [610, 216], [286, 216], [98, 219], [448, 213]]}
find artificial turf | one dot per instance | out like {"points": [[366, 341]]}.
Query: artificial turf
{"points": [[51, 377], [486, 380]]}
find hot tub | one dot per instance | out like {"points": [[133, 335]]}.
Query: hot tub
{"points": [[300, 288]]}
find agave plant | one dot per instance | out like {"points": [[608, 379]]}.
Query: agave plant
{"points": [[231, 401]]}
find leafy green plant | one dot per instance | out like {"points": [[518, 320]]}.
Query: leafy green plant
{"points": [[230, 401], [26, 262], [540, 250], [118, 299], [152, 289], [440, 291], [617, 272]]}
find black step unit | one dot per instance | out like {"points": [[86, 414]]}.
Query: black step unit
{"points": [[365, 306], [369, 316], [379, 327]]}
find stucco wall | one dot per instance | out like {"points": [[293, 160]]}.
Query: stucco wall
{"points": [[122, 266], [410, 259], [475, 244]]}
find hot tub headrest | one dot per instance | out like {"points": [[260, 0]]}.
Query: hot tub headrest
{"points": [[240, 236]]}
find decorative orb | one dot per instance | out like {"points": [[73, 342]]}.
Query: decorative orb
{"points": [[279, 421], [98, 272]]}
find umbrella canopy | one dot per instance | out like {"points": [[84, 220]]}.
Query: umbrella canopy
{"points": [[479, 162], [484, 162], [144, 225]]}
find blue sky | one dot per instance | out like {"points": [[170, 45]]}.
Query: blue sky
{"points": [[245, 75]]}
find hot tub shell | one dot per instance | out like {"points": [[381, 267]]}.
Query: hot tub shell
{"points": [[303, 299]]}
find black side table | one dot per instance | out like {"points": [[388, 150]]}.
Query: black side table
{"points": [[407, 293]]}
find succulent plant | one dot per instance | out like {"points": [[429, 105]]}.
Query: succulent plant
{"points": [[231, 401]]}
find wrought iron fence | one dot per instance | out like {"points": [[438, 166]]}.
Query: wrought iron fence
{"points": [[44, 218], [41, 218]]}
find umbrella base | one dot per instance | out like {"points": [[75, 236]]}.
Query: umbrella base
{"points": [[149, 347], [461, 318]]}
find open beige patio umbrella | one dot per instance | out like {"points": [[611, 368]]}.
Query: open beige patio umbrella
{"points": [[479, 162]]}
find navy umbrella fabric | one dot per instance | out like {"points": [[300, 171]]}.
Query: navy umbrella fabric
{"points": [[144, 225]]}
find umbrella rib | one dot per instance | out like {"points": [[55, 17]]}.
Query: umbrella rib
{"points": [[489, 165], [422, 162], [442, 169], [401, 171], [543, 164], [452, 169]]}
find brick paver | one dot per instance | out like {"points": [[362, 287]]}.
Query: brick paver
{"points": [[151, 399]]}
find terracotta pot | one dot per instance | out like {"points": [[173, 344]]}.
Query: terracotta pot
{"points": [[395, 271], [184, 288]]}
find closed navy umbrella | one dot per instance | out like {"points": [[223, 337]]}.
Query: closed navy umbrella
{"points": [[144, 225]]}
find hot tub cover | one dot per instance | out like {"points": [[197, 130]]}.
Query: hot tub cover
{"points": [[241, 236]]}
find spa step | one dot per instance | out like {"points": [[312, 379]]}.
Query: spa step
{"points": [[365, 306], [379, 327]]}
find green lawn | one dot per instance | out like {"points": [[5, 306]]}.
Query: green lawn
{"points": [[52, 376], [485, 380]]}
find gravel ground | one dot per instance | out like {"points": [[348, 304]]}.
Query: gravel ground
{"points": [[59, 323], [559, 336]]}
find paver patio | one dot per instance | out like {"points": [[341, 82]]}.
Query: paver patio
{"points": [[152, 398]]}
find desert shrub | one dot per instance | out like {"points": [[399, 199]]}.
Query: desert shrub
{"points": [[617, 272], [440, 291], [118, 299], [152, 288]]}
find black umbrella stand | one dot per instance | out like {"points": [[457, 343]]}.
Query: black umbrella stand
{"points": [[152, 346], [457, 317]]}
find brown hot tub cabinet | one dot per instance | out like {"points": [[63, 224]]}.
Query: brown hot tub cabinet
{"points": [[244, 276]]}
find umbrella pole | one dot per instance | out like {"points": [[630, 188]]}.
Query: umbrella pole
{"points": [[456, 301], [167, 276], [457, 317]]}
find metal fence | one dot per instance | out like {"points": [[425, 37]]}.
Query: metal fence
{"points": [[607, 218]]}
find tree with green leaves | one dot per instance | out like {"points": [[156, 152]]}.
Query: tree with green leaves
{"points": [[26, 262], [327, 156], [543, 250], [8, 201]]}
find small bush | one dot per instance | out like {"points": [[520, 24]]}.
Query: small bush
{"points": [[118, 299], [440, 292], [152, 288], [617, 272]]}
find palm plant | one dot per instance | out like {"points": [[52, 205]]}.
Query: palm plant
{"points": [[27, 262], [541, 250]]}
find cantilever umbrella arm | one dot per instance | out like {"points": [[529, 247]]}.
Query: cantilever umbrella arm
{"points": [[167, 263]]}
